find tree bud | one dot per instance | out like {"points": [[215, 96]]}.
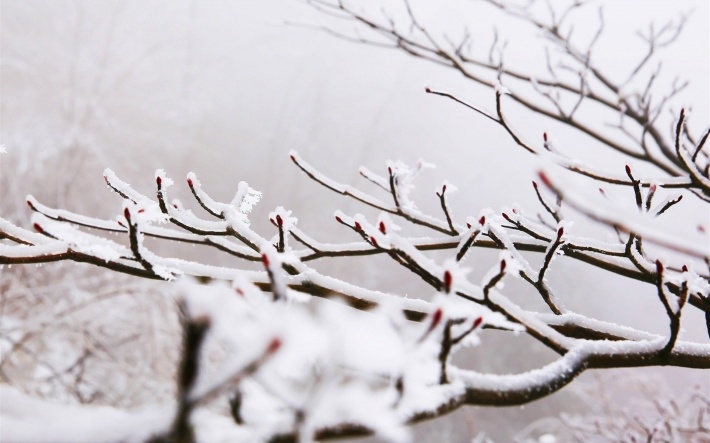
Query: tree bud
{"points": [[448, 280]]}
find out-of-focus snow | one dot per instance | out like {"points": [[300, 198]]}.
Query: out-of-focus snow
{"points": [[27, 419]]}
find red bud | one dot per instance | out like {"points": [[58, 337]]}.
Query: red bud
{"points": [[545, 179], [448, 279], [477, 322], [427, 90], [544, 136], [628, 169], [338, 219], [560, 232], [358, 227], [240, 292], [265, 260], [38, 228], [279, 220], [127, 214], [659, 266], [503, 264], [274, 346], [159, 180], [685, 268], [189, 182], [383, 228], [373, 240], [29, 203], [293, 158], [534, 184], [436, 318], [482, 220], [140, 211]]}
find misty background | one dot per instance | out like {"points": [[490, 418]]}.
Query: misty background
{"points": [[227, 88]]}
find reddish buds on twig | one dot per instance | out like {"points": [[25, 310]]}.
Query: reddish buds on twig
{"points": [[382, 227], [435, 319], [279, 220], [38, 228], [265, 260], [159, 180], [545, 179], [448, 280], [127, 214], [477, 322], [274, 346], [560, 233]]}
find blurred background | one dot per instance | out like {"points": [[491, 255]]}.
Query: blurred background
{"points": [[227, 88]]}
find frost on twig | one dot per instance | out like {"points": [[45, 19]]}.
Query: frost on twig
{"points": [[302, 371]]}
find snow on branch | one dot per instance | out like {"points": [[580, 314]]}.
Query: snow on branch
{"points": [[372, 362], [422, 382], [624, 220], [399, 184]]}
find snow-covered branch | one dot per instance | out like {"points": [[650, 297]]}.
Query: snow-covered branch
{"points": [[373, 362]]}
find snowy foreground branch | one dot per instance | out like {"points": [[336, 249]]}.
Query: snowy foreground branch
{"points": [[321, 374], [372, 362]]}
